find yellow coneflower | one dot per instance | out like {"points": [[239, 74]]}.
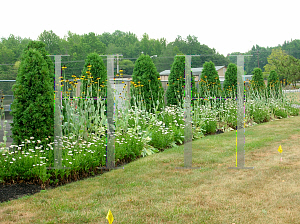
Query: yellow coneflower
{"points": [[64, 67]]}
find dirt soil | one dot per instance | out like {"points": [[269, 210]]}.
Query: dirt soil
{"points": [[15, 191]]}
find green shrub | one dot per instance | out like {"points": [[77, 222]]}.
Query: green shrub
{"points": [[230, 82], [273, 84], [146, 85], [176, 81], [280, 113], [210, 85], [33, 106], [257, 82], [94, 72]]}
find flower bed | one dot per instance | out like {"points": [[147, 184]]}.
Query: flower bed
{"points": [[137, 133]]}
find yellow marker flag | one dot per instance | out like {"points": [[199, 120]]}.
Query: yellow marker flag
{"points": [[280, 149], [110, 217]]}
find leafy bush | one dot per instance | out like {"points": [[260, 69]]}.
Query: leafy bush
{"points": [[280, 113]]}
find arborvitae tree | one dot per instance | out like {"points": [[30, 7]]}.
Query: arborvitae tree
{"points": [[33, 105], [230, 82], [273, 82], [94, 76], [210, 83], [257, 82], [176, 80], [40, 46], [146, 85]]}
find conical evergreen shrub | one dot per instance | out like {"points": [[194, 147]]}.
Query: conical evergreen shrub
{"points": [[176, 81], [33, 105], [146, 85]]}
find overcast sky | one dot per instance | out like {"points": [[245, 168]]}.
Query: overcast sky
{"points": [[228, 26]]}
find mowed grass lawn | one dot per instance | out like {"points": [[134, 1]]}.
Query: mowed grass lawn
{"points": [[152, 190]]}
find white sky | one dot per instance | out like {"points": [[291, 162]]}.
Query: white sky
{"points": [[228, 26]]}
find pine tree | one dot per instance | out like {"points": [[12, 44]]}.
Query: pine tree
{"points": [[176, 80], [146, 85], [230, 82], [33, 105]]}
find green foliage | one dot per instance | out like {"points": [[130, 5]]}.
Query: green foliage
{"points": [[273, 82], [292, 69], [230, 82], [276, 61], [176, 80], [96, 73], [33, 106], [52, 41], [146, 84], [257, 82], [191, 46], [210, 84], [127, 66]]}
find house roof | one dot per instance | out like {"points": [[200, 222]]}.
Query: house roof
{"points": [[196, 71]]}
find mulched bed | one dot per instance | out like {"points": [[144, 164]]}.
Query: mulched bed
{"points": [[13, 191]]}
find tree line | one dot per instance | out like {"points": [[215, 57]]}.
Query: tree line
{"points": [[127, 44], [118, 42]]}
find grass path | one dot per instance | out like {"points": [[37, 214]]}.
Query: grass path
{"points": [[151, 190]]}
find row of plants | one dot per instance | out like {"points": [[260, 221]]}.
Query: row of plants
{"points": [[138, 133], [145, 126]]}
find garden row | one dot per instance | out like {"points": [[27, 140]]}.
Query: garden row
{"points": [[144, 127]]}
